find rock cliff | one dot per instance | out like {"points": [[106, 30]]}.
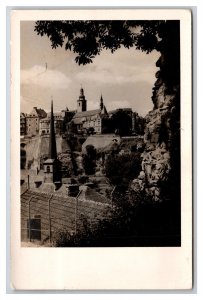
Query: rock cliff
{"points": [[160, 175]]}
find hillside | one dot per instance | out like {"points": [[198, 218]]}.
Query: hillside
{"points": [[39, 146]]}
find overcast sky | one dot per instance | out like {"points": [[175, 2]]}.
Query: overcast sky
{"points": [[125, 78]]}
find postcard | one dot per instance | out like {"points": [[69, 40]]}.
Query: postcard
{"points": [[101, 149]]}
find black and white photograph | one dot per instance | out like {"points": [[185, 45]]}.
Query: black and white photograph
{"points": [[100, 133], [103, 161]]}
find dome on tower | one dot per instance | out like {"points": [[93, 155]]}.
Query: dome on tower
{"points": [[81, 92]]}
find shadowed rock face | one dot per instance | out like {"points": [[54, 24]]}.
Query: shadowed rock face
{"points": [[160, 175]]}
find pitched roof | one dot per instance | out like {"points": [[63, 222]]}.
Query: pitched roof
{"points": [[87, 113], [41, 112], [91, 195], [100, 142], [38, 112], [83, 116], [22, 115], [120, 109], [49, 161], [104, 110]]}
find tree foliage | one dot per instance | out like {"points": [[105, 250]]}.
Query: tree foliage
{"points": [[137, 222], [121, 122], [89, 160], [121, 169], [89, 38]]}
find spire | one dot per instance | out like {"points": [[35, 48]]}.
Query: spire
{"points": [[81, 92], [101, 103], [52, 138]]}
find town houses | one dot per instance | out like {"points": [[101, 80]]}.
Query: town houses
{"points": [[63, 165], [79, 121]]}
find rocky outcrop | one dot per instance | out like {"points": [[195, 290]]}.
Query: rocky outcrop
{"points": [[160, 175], [157, 156]]}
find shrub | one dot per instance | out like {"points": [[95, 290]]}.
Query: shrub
{"points": [[121, 169]]}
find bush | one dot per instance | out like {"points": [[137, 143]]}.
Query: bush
{"points": [[121, 169], [89, 160], [138, 222]]}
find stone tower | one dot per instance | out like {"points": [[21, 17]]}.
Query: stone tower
{"points": [[81, 102], [51, 165]]}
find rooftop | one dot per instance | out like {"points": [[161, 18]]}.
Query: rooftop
{"points": [[86, 113]]}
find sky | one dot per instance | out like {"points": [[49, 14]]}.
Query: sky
{"points": [[124, 78]]}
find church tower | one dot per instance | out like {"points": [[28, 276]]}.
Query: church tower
{"points": [[101, 103], [51, 165], [81, 102], [103, 107]]}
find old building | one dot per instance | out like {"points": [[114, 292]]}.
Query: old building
{"points": [[85, 120], [33, 121], [22, 124], [44, 126], [60, 120], [46, 211]]}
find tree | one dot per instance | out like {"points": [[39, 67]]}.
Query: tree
{"points": [[121, 122], [121, 169], [88, 38], [90, 131], [89, 160]]}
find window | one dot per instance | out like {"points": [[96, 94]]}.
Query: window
{"points": [[48, 169], [34, 228]]}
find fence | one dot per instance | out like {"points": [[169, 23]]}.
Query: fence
{"points": [[44, 215]]}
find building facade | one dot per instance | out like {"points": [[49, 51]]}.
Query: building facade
{"points": [[60, 120], [22, 124], [33, 121], [85, 120], [44, 127]]}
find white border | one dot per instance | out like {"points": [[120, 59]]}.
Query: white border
{"points": [[198, 194], [103, 268]]}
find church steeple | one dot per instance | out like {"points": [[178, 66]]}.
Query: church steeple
{"points": [[103, 107], [52, 173], [52, 138], [81, 102], [101, 103]]}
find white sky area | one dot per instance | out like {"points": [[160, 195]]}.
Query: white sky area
{"points": [[124, 78]]}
